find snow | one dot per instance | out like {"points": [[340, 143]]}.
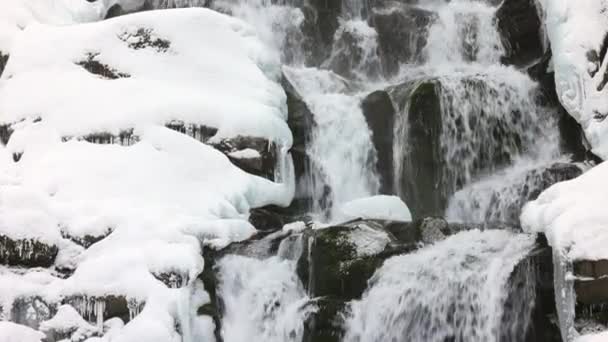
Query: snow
{"points": [[572, 216], [601, 337], [161, 199], [68, 320], [163, 84], [247, 153], [379, 207], [574, 29], [11, 332]]}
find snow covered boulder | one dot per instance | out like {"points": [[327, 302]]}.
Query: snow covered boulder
{"points": [[67, 324], [31, 311], [577, 32]]}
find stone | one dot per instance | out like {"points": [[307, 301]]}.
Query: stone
{"points": [[3, 62], [432, 229], [337, 267], [31, 311], [326, 324], [91, 64], [172, 279], [5, 133], [379, 112], [520, 28], [422, 171], [87, 240], [402, 32], [26, 252], [265, 167]]}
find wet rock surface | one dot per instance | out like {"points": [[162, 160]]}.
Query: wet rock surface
{"points": [[380, 114], [520, 28], [3, 61], [26, 252]]}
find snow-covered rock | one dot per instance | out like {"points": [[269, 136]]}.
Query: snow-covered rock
{"points": [[379, 207], [11, 332], [127, 218], [578, 31], [572, 216]]}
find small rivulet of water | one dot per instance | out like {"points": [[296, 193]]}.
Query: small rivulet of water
{"points": [[455, 290]]}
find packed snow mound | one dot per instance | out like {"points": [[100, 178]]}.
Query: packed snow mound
{"points": [[127, 223], [601, 337], [578, 31], [11, 332], [143, 69], [572, 215], [379, 207]]}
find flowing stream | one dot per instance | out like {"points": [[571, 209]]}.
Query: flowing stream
{"points": [[493, 131]]}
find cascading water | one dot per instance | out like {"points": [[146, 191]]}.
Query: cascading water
{"points": [[490, 121], [454, 290], [264, 299]]}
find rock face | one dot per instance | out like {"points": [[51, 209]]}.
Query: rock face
{"points": [[401, 32], [422, 172], [520, 28], [31, 311], [380, 115], [26, 252], [592, 286], [3, 61]]}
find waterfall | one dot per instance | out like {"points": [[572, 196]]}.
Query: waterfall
{"points": [[264, 300], [454, 290]]}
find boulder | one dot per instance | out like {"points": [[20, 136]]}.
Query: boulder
{"points": [[26, 252], [342, 258], [520, 28], [68, 325], [420, 183], [5, 133], [326, 323], [380, 113], [87, 240], [31, 311], [3, 61], [402, 30]]}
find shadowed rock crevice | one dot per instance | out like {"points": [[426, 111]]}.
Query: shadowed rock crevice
{"points": [[95, 67]]}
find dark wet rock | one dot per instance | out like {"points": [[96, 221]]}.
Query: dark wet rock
{"points": [[145, 38], [5, 133], [267, 160], [273, 218], [591, 287], [337, 267], [520, 29], [109, 306], [432, 229], [301, 123], [199, 132], [530, 292], [261, 164], [26, 252], [209, 277], [380, 113], [87, 240], [95, 67], [350, 57], [3, 61], [402, 32], [172, 279], [422, 171], [326, 324], [31, 311]]}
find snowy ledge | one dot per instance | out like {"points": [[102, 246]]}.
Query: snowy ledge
{"points": [[578, 33], [129, 222]]}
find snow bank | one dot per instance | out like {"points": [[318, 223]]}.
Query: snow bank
{"points": [[147, 209], [577, 30], [10, 332], [601, 337], [376, 207], [573, 216], [143, 69]]}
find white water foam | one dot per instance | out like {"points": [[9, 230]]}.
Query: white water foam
{"points": [[455, 290]]}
